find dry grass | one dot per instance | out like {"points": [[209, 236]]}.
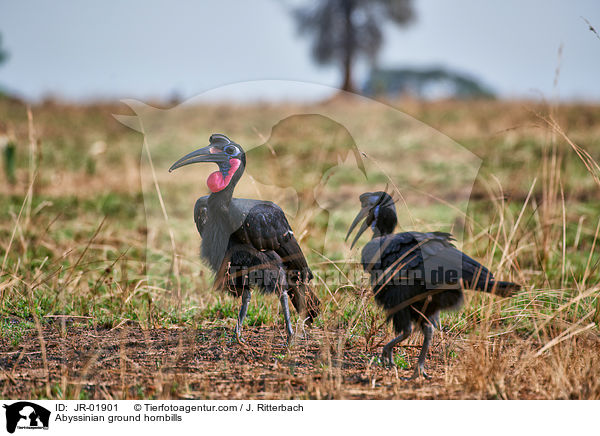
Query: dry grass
{"points": [[91, 308]]}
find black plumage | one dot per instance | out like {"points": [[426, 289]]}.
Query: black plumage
{"points": [[414, 275], [248, 243], [246, 264]]}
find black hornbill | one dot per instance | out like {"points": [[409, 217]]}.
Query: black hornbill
{"points": [[248, 243], [415, 275]]}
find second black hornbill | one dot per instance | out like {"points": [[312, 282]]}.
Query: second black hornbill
{"points": [[248, 243], [414, 275]]}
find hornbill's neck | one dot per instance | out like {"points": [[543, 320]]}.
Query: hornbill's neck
{"points": [[221, 200]]}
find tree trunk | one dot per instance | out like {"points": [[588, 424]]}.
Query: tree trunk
{"points": [[348, 84]]}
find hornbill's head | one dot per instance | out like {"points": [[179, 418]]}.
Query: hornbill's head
{"points": [[229, 156], [378, 211]]}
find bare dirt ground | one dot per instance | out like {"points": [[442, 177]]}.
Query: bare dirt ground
{"points": [[128, 362]]}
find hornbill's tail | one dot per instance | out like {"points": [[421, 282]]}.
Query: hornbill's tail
{"points": [[503, 289]]}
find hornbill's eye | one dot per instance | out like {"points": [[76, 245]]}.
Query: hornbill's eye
{"points": [[230, 149]]}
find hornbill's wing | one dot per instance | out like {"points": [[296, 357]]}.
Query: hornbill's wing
{"points": [[266, 228], [201, 213], [439, 253], [399, 252], [262, 225], [474, 274], [432, 255], [240, 207]]}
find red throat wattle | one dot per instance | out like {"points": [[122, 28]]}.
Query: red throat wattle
{"points": [[216, 182]]}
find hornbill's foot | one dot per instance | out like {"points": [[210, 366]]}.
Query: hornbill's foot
{"points": [[291, 339], [238, 335], [387, 357], [302, 332], [419, 371], [303, 335]]}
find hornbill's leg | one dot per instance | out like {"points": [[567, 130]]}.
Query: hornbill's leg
{"points": [[387, 354], [297, 296], [246, 295], [286, 315], [427, 329]]}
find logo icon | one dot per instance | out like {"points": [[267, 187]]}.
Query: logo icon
{"points": [[26, 415]]}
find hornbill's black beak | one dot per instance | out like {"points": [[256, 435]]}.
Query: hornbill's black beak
{"points": [[365, 212], [369, 203], [206, 154]]}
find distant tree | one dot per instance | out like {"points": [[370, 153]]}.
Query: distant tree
{"points": [[425, 83], [3, 53], [343, 30]]}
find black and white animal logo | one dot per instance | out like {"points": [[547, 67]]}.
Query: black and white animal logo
{"points": [[26, 415]]}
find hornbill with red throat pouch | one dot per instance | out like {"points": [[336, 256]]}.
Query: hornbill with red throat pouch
{"points": [[248, 243], [414, 275]]}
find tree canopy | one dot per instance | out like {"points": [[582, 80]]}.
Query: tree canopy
{"points": [[343, 30]]}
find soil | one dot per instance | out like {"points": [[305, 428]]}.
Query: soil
{"points": [[128, 362]]}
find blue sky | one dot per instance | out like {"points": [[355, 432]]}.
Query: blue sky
{"points": [[144, 49]]}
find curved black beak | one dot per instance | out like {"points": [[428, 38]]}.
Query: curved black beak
{"points": [[364, 213], [206, 154]]}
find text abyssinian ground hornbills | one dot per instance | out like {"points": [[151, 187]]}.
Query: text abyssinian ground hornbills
{"points": [[248, 243], [415, 275]]}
